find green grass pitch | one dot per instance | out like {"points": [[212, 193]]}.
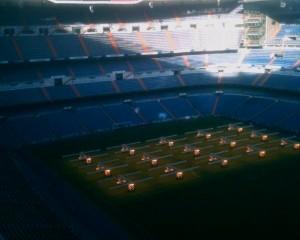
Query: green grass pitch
{"points": [[261, 193], [154, 163]]}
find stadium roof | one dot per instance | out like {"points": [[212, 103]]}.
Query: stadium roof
{"points": [[95, 2]]}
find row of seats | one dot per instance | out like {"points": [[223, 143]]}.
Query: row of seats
{"points": [[64, 46], [261, 110], [82, 69], [102, 88], [289, 30], [65, 123], [93, 69], [23, 214], [282, 57], [288, 36], [68, 92]]}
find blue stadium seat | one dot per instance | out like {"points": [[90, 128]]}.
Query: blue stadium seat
{"points": [[152, 111], [34, 47], [203, 102], [19, 97], [161, 82], [98, 44], [252, 107], [179, 107], [7, 50], [228, 104], [131, 85], [122, 114], [67, 45], [93, 119], [95, 88]]}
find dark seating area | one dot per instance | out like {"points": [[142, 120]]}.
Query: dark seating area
{"points": [[23, 213], [149, 119], [77, 121]]}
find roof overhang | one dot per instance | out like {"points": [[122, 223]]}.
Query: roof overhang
{"points": [[96, 2]]}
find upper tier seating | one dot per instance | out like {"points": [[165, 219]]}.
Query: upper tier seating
{"points": [[70, 45], [70, 91], [34, 47], [67, 46], [285, 57], [289, 35], [7, 50], [289, 30], [98, 44]]}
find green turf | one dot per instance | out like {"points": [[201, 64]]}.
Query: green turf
{"points": [[148, 178], [250, 191]]}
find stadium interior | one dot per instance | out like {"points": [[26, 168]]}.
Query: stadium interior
{"points": [[86, 87]]}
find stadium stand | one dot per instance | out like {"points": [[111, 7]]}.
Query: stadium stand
{"points": [[122, 114], [252, 107], [152, 111], [8, 52], [179, 107], [164, 37], [34, 47], [289, 30], [93, 87], [66, 123], [285, 58], [23, 215], [64, 80], [67, 46], [161, 82]]}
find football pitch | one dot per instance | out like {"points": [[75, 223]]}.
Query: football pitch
{"points": [[167, 160], [190, 177]]}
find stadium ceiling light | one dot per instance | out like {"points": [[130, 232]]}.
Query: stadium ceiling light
{"points": [[197, 152], [171, 143], [208, 136], [154, 162], [179, 175], [107, 172], [240, 129], [131, 187], [297, 146], [233, 144], [88, 160], [262, 153], [95, 2], [224, 163], [131, 152], [264, 137]]}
